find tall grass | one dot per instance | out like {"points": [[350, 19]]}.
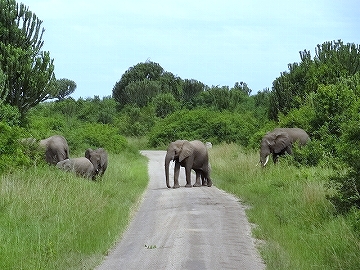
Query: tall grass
{"points": [[296, 224], [50, 219]]}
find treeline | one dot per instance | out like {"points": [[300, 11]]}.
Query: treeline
{"points": [[319, 94]]}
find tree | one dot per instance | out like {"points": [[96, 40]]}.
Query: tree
{"points": [[29, 71], [242, 86], [165, 104], [333, 60], [191, 88], [129, 88], [3, 90], [64, 88]]}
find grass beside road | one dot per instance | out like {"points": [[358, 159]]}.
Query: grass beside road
{"points": [[50, 219], [294, 220]]}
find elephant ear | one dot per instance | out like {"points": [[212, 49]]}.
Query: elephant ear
{"points": [[281, 142], [186, 151], [88, 152]]}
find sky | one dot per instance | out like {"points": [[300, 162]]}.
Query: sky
{"points": [[215, 42]]}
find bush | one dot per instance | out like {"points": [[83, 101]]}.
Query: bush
{"points": [[309, 155], [347, 184], [95, 136], [346, 193], [9, 115], [11, 150], [165, 104], [135, 121], [205, 125]]}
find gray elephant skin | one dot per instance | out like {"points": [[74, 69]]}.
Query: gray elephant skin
{"points": [[99, 158], [279, 142], [193, 155], [56, 149], [81, 166]]}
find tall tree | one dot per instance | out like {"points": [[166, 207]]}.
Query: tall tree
{"points": [[129, 88], [333, 60], [191, 89], [3, 91], [64, 88], [29, 71]]}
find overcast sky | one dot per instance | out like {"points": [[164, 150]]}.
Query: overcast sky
{"points": [[216, 42]]}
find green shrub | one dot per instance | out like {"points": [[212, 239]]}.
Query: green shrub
{"points": [[347, 184], [135, 121], [165, 104], [9, 114], [205, 125], [310, 155], [346, 193], [96, 135], [11, 150]]}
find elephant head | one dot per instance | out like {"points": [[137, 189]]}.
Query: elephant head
{"points": [[173, 153], [275, 143], [99, 159]]}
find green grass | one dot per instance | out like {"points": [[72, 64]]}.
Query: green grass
{"points": [[295, 223], [50, 219]]}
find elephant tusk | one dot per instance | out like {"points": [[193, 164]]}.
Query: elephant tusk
{"points": [[266, 161]]}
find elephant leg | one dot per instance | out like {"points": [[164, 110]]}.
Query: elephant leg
{"points": [[188, 176], [203, 180], [289, 150], [198, 174], [275, 157], [176, 175], [206, 175]]}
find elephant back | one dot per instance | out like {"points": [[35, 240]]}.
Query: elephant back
{"points": [[296, 135]]}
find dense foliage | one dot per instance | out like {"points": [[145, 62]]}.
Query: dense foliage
{"points": [[319, 94]]}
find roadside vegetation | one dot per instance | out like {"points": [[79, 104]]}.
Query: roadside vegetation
{"points": [[305, 209], [51, 219], [295, 225]]}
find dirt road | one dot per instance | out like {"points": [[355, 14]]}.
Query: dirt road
{"points": [[184, 228]]}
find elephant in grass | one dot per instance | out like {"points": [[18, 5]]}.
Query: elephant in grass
{"points": [[81, 166], [193, 155], [99, 158], [56, 149], [279, 142]]}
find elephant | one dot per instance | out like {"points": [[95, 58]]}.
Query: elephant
{"points": [[279, 142], [81, 166], [99, 158], [56, 149], [191, 155]]}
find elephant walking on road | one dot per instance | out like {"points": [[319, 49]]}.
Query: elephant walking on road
{"points": [[193, 155], [279, 142], [56, 149], [81, 166]]}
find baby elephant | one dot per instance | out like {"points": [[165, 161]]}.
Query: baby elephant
{"points": [[81, 166], [99, 159]]}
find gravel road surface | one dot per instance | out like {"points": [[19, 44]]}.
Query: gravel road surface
{"points": [[185, 228]]}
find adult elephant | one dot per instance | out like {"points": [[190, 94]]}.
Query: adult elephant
{"points": [[81, 166], [191, 155], [99, 158], [279, 142], [56, 149]]}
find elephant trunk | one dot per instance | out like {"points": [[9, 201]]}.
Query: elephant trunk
{"points": [[265, 152], [168, 158]]}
